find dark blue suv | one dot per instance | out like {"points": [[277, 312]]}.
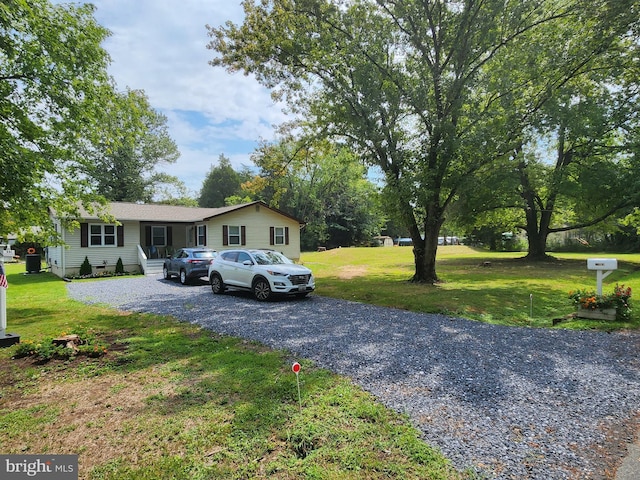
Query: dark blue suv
{"points": [[189, 263]]}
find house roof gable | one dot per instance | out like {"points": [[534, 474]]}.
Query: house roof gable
{"points": [[147, 212]]}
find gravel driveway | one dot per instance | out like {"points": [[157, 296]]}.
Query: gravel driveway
{"points": [[506, 402]]}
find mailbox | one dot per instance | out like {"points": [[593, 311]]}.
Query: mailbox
{"points": [[602, 264], [603, 268]]}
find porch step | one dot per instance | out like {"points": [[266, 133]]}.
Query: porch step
{"points": [[154, 266]]}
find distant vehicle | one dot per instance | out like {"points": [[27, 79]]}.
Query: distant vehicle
{"points": [[263, 272], [188, 264]]}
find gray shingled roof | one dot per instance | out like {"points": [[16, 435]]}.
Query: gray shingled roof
{"points": [[169, 213]]}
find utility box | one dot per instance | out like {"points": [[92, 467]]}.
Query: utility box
{"points": [[602, 264], [603, 268], [33, 262]]}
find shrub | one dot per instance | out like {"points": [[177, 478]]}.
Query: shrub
{"points": [[86, 344], [620, 299], [85, 268], [119, 266]]}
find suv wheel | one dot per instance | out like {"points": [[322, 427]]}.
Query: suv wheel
{"points": [[183, 277], [165, 273], [217, 285], [261, 289]]}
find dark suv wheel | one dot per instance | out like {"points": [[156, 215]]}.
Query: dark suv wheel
{"points": [[217, 285], [261, 289]]}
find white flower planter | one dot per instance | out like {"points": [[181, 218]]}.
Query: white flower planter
{"points": [[598, 314]]}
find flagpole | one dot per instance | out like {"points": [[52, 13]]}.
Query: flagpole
{"points": [[3, 304], [6, 339]]}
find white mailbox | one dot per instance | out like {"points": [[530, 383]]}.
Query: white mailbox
{"points": [[603, 268], [602, 264]]}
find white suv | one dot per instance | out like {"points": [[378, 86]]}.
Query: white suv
{"points": [[264, 272]]}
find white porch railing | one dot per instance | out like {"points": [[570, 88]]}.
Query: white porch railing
{"points": [[142, 259]]}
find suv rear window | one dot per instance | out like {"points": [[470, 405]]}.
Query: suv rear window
{"points": [[204, 254]]}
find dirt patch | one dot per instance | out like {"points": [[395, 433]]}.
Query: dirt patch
{"points": [[351, 271], [95, 417]]}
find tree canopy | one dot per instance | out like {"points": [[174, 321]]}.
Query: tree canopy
{"points": [[411, 85], [132, 142], [324, 185], [53, 81], [221, 184]]}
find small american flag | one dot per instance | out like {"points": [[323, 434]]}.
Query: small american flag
{"points": [[3, 277]]}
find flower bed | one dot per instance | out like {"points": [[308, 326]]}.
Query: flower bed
{"points": [[613, 306]]}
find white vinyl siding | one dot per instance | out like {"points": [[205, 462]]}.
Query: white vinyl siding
{"points": [[258, 224], [74, 255]]}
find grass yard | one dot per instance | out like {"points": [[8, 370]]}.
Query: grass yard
{"points": [[169, 400], [510, 291]]}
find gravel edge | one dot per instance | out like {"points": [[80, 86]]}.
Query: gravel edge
{"points": [[503, 402]]}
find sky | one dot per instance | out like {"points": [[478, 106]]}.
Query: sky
{"points": [[159, 46]]}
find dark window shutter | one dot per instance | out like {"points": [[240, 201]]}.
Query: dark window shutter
{"points": [[84, 234], [225, 235], [120, 233], [204, 229], [169, 236], [147, 234], [286, 235], [243, 235], [272, 235]]}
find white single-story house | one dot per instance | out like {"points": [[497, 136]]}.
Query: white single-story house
{"points": [[146, 233]]}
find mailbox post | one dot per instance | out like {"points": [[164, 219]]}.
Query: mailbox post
{"points": [[603, 267]]}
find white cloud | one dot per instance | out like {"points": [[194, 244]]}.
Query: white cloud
{"points": [[159, 46]]}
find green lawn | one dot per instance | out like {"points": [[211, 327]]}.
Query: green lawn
{"points": [[510, 291], [170, 400]]}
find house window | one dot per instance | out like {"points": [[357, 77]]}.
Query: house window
{"points": [[158, 236], [278, 236], [234, 235], [101, 235], [202, 235]]}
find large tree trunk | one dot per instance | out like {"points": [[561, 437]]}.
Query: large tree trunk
{"points": [[537, 245], [539, 212], [425, 250]]}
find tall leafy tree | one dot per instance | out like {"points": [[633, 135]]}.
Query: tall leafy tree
{"points": [[573, 159], [53, 83], [221, 183], [407, 83], [133, 142], [324, 185]]}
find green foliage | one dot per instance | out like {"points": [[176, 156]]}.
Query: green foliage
{"points": [[221, 182], [619, 299], [85, 268], [119, 266], [53, 85], [46, 349], [134, 140], [395, 81], [492, 287], [325, 186]]}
